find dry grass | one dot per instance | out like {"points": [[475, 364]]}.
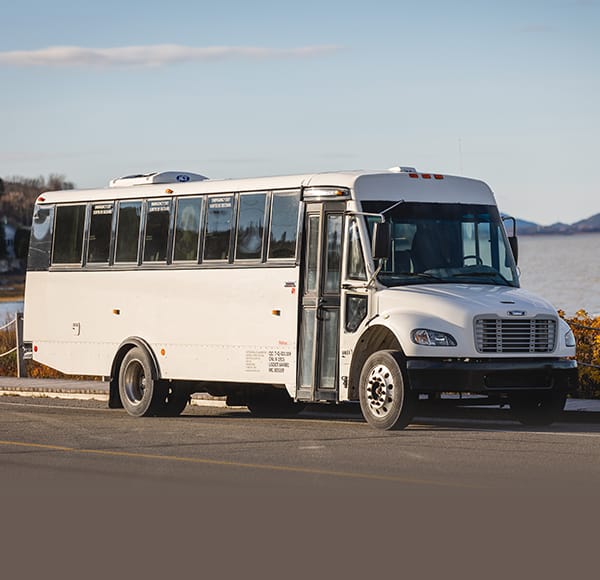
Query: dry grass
{"points": [[12, 288]]}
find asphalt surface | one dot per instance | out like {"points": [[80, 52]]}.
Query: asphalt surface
{"points": [[87, 491], [82, 447]]}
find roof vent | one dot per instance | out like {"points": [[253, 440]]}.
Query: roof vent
{"points": [[402, 169], [156, 177]]}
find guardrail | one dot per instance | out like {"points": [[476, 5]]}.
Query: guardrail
{"points": [[18, 348]]}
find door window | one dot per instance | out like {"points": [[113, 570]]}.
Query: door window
{"points": [[356, 261], [312, 258], [333, 254]]}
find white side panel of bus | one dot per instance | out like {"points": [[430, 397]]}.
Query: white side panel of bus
{"points": [[219, 324]]}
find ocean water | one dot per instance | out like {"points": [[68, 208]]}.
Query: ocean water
{"points": [[8, 310], [563, 269]]}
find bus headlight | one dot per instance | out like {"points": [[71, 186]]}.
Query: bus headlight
{"points": [[427, 337], [570, 339]]}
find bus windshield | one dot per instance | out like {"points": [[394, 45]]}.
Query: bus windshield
{"points": [[433, 243]]}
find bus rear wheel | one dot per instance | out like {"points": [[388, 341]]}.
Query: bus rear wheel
{"points": [[385, 401], [140, 394]]}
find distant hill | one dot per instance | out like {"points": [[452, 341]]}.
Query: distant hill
{"points": [[591, 224]]}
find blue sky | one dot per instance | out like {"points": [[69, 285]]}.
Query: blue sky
{"points": [[508, 92]]}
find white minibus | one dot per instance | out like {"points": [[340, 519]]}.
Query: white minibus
{"points": [[374, 287]]}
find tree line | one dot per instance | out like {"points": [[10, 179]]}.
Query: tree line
{"points": [[17, 198], [18, 195]]}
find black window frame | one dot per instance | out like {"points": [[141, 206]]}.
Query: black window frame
{"points": [[298, 232], [353, 222], [120, 203], [144, 227], [112, 236], [39, 255], [265, 226], [200, 232], [57, 209], [233, 224], [200, 260]]}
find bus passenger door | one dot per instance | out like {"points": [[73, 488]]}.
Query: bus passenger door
{"points": [[320, 306]]}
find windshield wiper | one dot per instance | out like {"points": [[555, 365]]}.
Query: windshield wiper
{"points": [[422, 275], [412, 275], [488, 274]]}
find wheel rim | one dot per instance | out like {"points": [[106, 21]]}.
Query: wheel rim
{"points": [[380, 391], [135, 382]]}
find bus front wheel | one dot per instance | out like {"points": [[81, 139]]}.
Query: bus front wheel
{"points": [[140, 394], [385, 400]]}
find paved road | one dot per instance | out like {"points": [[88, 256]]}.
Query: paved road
{"points": [[321, 494], [50, 446]]}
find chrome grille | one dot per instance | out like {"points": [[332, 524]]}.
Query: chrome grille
{"points": [[508, 335]]}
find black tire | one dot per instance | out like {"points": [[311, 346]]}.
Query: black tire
{"points": [[275, 404], [385, 400], [140, 394], [537, 409]]}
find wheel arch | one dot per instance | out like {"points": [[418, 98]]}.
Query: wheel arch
{"points": [[375, 338], [114, 399]]}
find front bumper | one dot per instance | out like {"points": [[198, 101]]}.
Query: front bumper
{"points": [[491, 376]]}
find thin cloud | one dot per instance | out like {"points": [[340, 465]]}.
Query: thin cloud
{"points": [[151, 56], [537, 29]]}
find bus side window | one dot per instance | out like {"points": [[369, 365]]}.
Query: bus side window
{"points": [[284, 225], [187, 229], [128, 231], [218, 227], [156, 237], [40, 244], [100, 232], [68, 234], [251, 223]]}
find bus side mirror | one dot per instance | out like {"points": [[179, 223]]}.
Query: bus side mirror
{"points": [[381, 240], [514, 246], [512, 240]]}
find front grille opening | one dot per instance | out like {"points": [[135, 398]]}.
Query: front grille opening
{"points": [[533, 335]]}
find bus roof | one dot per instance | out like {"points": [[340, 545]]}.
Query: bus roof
{"points": [[394, 184]]}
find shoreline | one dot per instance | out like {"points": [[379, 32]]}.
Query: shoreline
{"points": [[12, 288], [6, 299]]}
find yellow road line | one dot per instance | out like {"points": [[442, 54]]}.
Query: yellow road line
{"points": [[217, 462]]}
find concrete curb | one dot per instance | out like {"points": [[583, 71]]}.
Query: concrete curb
{"points": [[84, 390]]}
